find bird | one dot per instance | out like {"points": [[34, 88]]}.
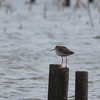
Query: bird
{"points": [[63, 52]]}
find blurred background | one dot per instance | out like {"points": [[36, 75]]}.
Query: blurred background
{"points": [[29, 29]]}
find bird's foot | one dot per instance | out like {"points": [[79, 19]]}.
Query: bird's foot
{"points": [[60, 66], [65, 67]]}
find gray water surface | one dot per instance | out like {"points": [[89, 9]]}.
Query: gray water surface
{"points": [[26, 38]]}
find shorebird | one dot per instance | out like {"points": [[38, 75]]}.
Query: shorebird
{"points": [[63, 52]]}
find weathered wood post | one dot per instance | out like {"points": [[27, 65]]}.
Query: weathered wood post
{"points": [[63, 77], [52, 85], [91, 0], [67, 2], [58, 82], [81, 85], [32, 0]]}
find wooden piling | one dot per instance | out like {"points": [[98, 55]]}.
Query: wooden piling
{"points": [[32, 1], [91, 1], [67, 3], [63, 78], [81, 85], [58, 82], [52, 88]]}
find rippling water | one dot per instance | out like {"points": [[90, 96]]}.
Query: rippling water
{"points": [[26, 38]]}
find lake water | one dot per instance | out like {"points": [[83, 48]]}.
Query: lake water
{"points": [[26, 38]]}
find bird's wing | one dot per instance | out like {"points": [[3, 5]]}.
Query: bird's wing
{"points": [[64, 50]]}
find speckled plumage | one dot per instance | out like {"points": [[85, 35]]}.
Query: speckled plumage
{"points": [[63, 52]]}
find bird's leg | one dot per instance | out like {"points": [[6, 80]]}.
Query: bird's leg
{"points": [[62, 62], [66, 62]]}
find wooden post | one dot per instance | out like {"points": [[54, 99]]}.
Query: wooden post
{"points": [[67, 3], [63, 78], [52, 88], [32, 0], [81, 85], [91, 0], [58, 82]]}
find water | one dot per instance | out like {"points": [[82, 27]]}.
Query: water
{"points": [[26, 38]]}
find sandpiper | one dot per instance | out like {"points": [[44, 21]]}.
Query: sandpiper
{"points": [[63, 52]]}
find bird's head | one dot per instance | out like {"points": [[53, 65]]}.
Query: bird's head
{"points": [[54, 48]]}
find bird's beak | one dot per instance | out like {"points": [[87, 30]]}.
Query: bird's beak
{"points": [[52, 49]]}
